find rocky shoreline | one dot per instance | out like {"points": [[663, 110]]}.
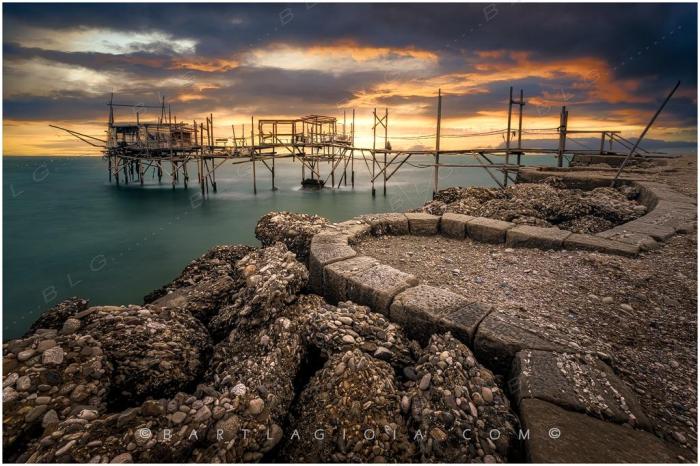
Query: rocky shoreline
{"points": [[237, 360], [232, 361]]}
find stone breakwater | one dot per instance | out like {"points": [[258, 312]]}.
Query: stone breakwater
{"points": [[235, 360], [304, 351], [545, 204]]}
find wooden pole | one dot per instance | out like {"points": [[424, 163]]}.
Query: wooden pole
{"points": [[437, 144], [602, 142], [386, 134], [352, 151], [374, 146], [116, 169], [252, 153], [185, 177], [510, 112], [644, 133], [562, 136], [520, 126]]}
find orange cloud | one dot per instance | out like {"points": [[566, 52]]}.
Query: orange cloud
{"points": [[589, 74], [363, 53], [209, 65]]}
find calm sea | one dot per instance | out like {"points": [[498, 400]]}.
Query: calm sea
{"points": [[68, 232]]}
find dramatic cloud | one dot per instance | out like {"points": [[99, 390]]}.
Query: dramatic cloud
{"points": [[609, 64]]}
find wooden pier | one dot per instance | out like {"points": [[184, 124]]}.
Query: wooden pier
{"points": [[174, 149]]}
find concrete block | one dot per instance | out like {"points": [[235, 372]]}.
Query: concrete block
{"points": [[423, 224], [578, 382], [584, 439], [500, 337], [645, 242], [488, 230], [336, 275], [388, 224], [640, 226], [376, 287], [528, 236], [325, 249], [455, 225], [355, 229], [596, 243], [656, 192], [424, 310]]}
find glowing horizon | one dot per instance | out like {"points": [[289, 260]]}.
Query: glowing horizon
{"points": [[63, 74]]}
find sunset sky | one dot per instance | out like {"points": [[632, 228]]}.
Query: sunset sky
{"points": [[611, 65]]}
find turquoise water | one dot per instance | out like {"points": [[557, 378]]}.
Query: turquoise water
{"points": [[68, 232]]}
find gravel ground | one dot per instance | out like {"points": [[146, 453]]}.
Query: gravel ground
{"points": [[653, 342], [641, 311]]}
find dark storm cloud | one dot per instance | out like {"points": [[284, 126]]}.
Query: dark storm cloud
{"points": [[654, 44], [607, 30]]}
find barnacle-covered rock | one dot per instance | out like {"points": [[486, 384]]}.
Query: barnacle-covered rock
{"points": [[456, 409], [54, 317], [164, 430], [351, 326], [543, 204], [155, 351], [350, 412], [47, 378], [295, 230], [216, 263], [271, 278]]}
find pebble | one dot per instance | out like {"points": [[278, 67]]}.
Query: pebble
{"points": [[26, 354], [45, 344], [405, 404], [410, 373], [70, 326], [473, 410], [65, 448], [203, 414], [487, 394], [383, 353], [256, 406], [438, 434], [348, 339], [425, 381], [24, 383], [9, 394], [675, 364], [178, 417], [607, 300], [36, 413], [339, 368], [51, 417], [239, 390], [10, 379], [88, 414], [123, 458], [679, 437], [626, 307], [53, 356], [345, 320], [42, 400]]}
